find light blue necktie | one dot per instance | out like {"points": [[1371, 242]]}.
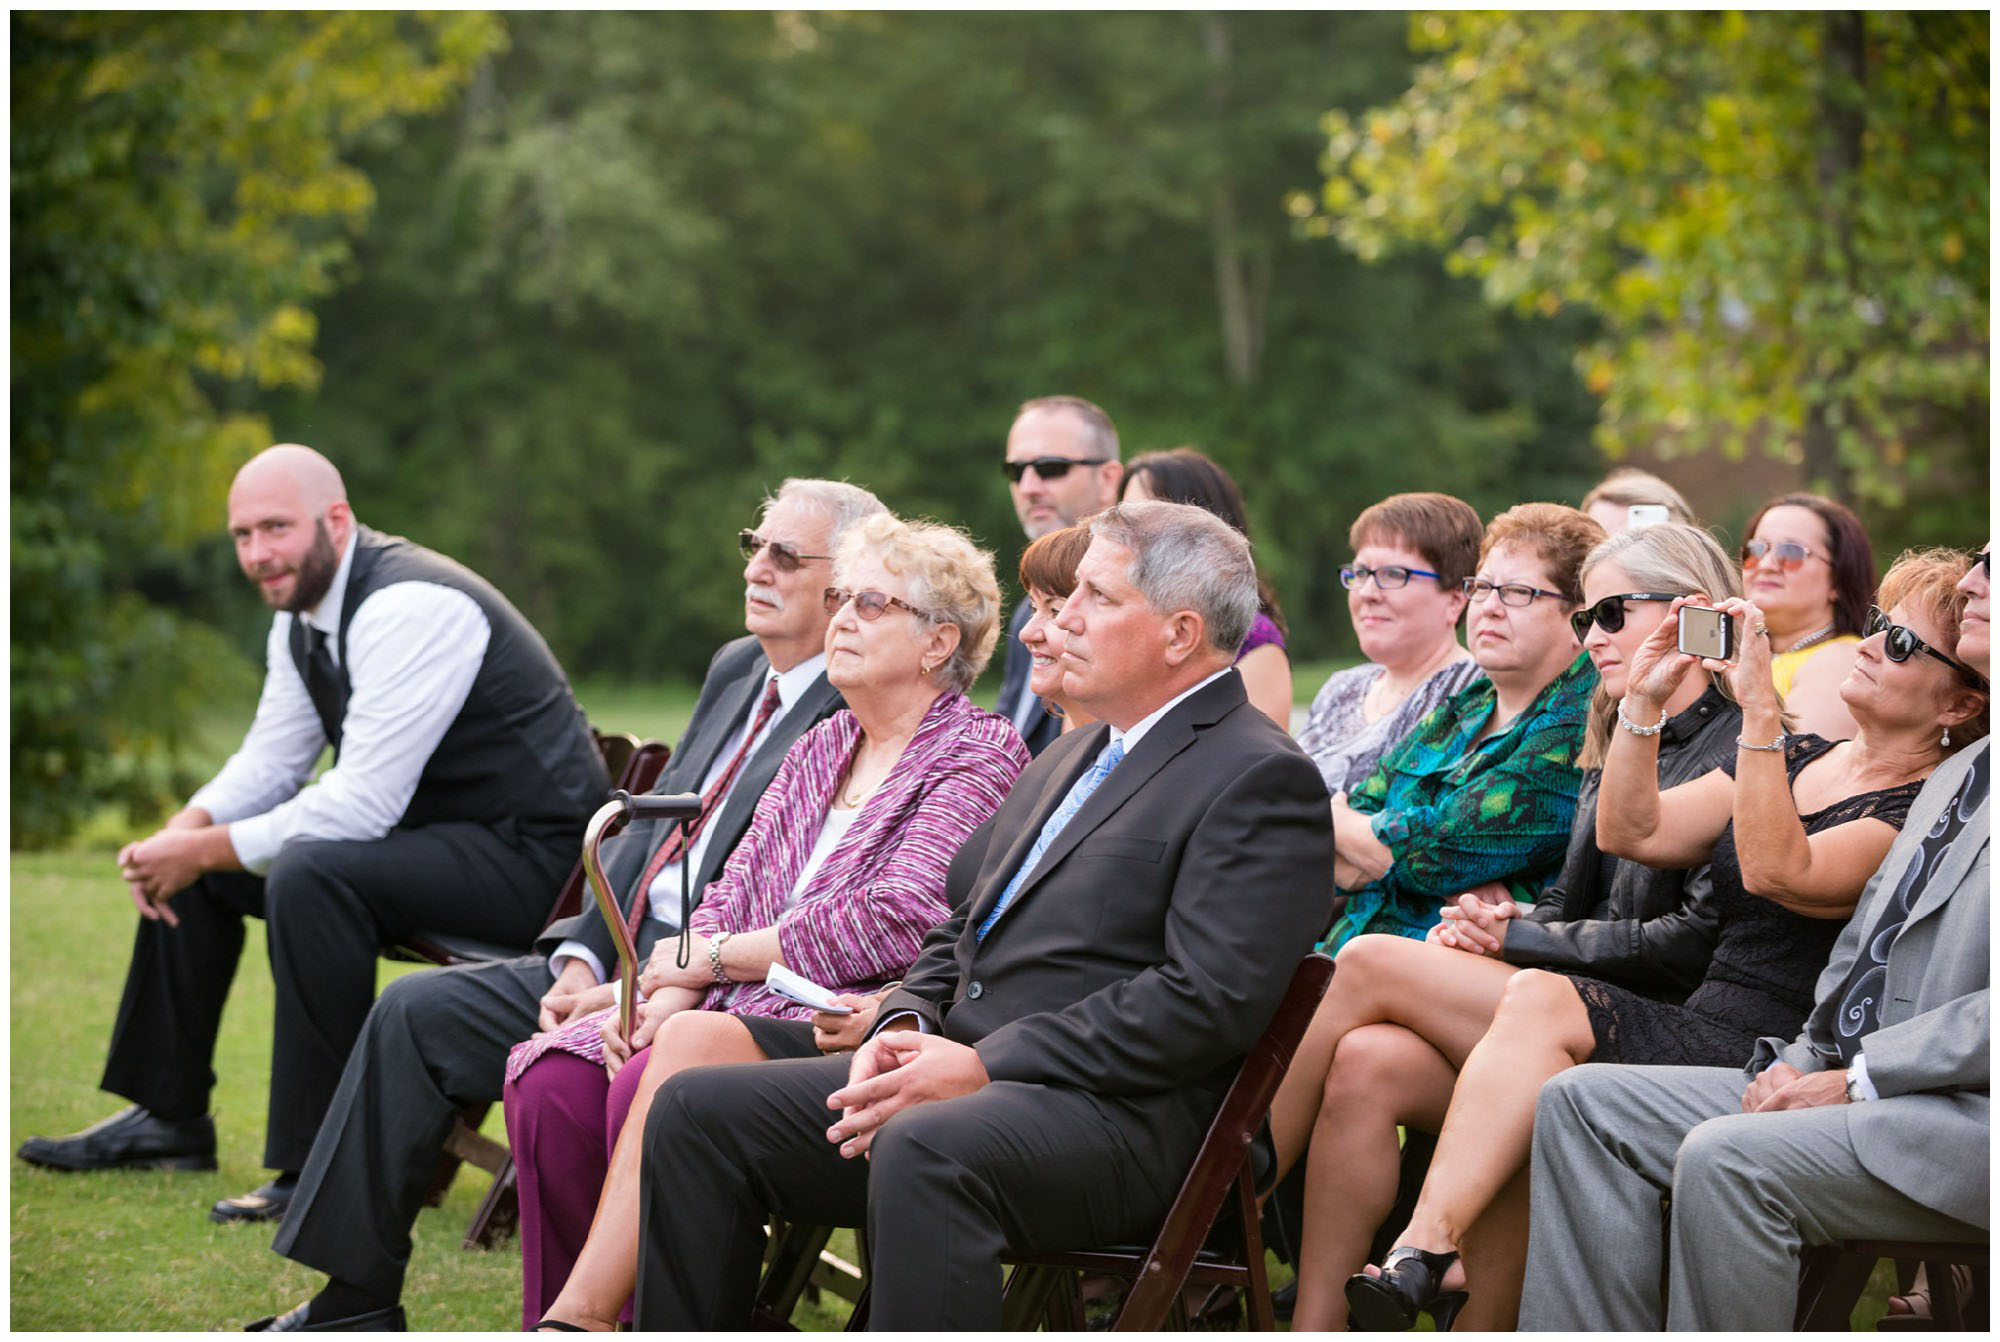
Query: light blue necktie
{"points": [[1079, 793]]}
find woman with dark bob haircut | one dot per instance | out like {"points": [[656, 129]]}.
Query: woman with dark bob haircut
{"points": [[1184, 475], [1809, 567]]}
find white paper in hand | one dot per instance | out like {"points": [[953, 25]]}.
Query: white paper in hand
{"points": [[803, 990]]}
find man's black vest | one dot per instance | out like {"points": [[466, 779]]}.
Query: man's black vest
{"points": [[520, 746]]}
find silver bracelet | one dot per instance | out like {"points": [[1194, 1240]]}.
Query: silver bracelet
{"points": [[715, 957], [1778, 744], [1635, 728]]}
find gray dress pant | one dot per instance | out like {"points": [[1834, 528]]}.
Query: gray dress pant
{"points": [[436, 1042], [1748, 1191]]}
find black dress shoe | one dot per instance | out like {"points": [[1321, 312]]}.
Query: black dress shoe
{"points": [[266, 1204], [129, 1139], [386, 1320], [1409, 1286]]}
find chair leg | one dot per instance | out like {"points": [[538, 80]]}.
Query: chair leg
{"points": [[1946, 1314], [1257, 1291], [499, 1213], [1830, 1285]]}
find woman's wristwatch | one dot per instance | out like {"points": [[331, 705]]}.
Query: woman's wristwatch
{"points": [[715, 957]]}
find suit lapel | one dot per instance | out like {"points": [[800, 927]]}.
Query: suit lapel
{"points": [[816, 703], [1166, 739], [1941, 883], [1055, 787]]}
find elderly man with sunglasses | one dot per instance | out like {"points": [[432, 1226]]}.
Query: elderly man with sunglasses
{"points": [[1062, 465], [1873, 1123], [437, 1042]]}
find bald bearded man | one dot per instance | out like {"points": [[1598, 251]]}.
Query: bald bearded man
{"points": [[463, 774]]}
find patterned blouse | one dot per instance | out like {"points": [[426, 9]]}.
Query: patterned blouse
{"points": [[1344, 744], [1454, 814], [859, 921]]}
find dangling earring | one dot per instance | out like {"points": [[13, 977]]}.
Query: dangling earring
{"points": [[1945, 740]]}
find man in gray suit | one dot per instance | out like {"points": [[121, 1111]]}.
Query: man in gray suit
{"points": [[1874, 1122], [436, 1042]]}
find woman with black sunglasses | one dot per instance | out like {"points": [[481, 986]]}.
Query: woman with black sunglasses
{"points": [[1381, 1054], [1791, 839]]}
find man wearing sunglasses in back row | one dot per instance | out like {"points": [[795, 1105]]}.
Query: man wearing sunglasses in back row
{"points": [[437, 1042], [1062, 465]]}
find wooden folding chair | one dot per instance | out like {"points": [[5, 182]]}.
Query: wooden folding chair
{"points": [[635, 766], [1042, 1287], [1833, 1276]]}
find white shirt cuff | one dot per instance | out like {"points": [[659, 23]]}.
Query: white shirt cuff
{"points": [[256, 842], [923, 1027], [575, 950], [1857, 1072]]}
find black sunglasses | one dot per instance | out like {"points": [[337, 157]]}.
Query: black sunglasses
{"points": [[868, 605], [1610, 612], [786, 557], [1901, 641], [1048, 468]]}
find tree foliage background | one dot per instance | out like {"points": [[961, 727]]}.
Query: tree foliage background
{"points": [[565, 295]]}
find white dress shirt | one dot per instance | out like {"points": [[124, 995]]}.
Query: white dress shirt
{"points": [[663, 897], [413, 649]]}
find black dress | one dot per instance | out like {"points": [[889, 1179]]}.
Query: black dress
{"points": [[1767, 958]]}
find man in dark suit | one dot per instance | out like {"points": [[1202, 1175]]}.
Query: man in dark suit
{"points": [[1062, 465], [1048, 1069], [438, 1041]]}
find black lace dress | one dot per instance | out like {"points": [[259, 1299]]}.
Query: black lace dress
{"points": [[1767, 958]]}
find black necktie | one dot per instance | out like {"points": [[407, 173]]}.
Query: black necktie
{"points": [[323, 684]]}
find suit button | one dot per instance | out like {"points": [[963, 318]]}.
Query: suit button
{"points": [[975, 989]]}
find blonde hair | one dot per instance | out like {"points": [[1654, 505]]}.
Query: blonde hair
{"points": [[1629, 485], [1671, 558], [1926, 580], [949, 577]]}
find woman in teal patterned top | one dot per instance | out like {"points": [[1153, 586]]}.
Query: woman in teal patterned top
{"points": [[1480, 796]]}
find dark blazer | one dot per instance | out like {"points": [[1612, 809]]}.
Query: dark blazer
{"points": [[1154, 939], [1043, 727], [735, 678]]}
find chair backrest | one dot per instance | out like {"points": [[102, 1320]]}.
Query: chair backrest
{"points": [[635, 766], [1219, 1164]]}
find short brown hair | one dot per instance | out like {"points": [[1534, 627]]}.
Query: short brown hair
{"points": [[1558, 534], [1443, 529], [1049, 563]]}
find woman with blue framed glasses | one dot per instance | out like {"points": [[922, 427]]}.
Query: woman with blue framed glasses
{"points": [[1412, 553]]}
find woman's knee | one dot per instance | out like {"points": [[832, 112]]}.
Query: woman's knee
{"points": [[1546, 1005], [1371, 1067]]}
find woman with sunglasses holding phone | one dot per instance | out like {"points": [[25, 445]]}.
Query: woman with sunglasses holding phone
{"points": [[1809, 567], [1381, 1053], [839, 877], [1792, 827]]}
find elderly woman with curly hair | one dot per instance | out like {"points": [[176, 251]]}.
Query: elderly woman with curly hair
{"points": [[839, 877]]}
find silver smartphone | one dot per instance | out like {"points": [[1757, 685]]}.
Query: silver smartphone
{"points": [[1645, 515], [1706, 632]]}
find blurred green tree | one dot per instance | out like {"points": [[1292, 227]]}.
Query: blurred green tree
{"points": [[179, 198], [661, 261], [1780, 218]]}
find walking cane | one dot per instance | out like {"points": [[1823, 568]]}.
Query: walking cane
{"points": [[623, 806]]}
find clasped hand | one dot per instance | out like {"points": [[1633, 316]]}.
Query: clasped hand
{"points": [[893, 1071], [158, 868], [1477, 920], [663, 970], [1783, 1086]]}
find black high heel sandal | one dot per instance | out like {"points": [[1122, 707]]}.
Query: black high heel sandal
{"points": [[1407, 1287]]}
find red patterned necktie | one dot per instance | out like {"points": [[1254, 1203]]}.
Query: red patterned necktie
{"points": [[683, 836]]}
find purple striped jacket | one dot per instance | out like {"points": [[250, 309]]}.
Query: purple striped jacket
{"points": [[861, 920]]}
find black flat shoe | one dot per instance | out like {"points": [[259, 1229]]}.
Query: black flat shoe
{"points": [[132, 1138], [300, 1320], [1407, 1287], [557, 1326], [266, 1204]]}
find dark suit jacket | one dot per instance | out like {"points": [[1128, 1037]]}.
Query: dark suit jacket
{"points": [[735, 678], [1153, 941], [1043, 727]]}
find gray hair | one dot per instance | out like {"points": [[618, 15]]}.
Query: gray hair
{"points": [[1097, 425], [1187, 558], [949, 578], [837, 501]]}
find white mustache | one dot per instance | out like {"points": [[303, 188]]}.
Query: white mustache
{"points": [[758, 592]]}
